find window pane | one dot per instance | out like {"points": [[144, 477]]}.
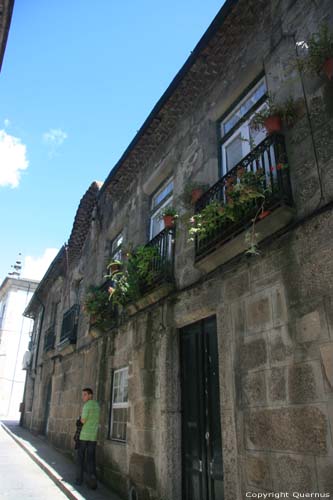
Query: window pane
{"points": [[241, 110], [234, 152], [162, 194]]}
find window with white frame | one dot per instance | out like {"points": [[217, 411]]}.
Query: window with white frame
{"points": [[161, 199], [116, 247], [237, 136], [118, 427]]}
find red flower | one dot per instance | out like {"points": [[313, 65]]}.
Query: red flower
{"points": [[264, 214], [279, 166], [271, 169]]}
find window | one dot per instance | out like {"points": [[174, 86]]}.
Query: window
{"points": [[116, 247], [237, 137], [118, 426], [160, 200]]}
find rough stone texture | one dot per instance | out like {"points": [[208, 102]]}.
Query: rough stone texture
{"points": [[302, 429], [294, 473], [258, 471], [274, 311], [326, 352]]}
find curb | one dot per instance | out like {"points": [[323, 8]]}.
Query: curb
{"points": [[65, 487]]}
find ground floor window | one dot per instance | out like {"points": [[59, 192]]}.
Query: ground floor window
{"points": [[118, 424]]}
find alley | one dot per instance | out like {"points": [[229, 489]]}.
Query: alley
{"points": [[20, 477]]}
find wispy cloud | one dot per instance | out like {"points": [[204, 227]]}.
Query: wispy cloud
{"points": [[6, 122], [54, 138], [34, 268], [13, 159]]}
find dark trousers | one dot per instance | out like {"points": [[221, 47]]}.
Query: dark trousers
{"points": [[86, 449]]}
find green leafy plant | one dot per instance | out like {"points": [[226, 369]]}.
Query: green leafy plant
{"points": [[97, 305], [320, 50], [169, 211], [244, 193], [285, 111], [138, 272]]}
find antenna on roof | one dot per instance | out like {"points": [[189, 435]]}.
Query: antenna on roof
{"points": [[17, 267]]}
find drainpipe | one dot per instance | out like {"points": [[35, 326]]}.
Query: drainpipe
{"points": [[39, 333]]}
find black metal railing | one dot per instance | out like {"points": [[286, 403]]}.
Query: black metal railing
{"points": [[269, 158], [49, 339], [69, 325], [161, 266]]}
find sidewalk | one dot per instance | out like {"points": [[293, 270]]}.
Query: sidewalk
{"points": [[56, 465]]}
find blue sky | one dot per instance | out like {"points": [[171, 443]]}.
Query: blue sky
{"points": [[77, 82]]}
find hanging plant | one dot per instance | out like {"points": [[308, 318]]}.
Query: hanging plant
{"points": [[97, 305], [319, 55], [274, 115], [169, 216]]}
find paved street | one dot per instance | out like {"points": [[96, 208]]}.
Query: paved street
{"points": [[20, 476]]}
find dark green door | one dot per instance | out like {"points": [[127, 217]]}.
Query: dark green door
{"points": [[201, 427]]}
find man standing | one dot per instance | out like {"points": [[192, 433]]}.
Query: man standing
{"points": [[88, 438]]}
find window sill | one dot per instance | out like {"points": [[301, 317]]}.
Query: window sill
{"points": [[150, 298], [237, 245], [66, 347]]}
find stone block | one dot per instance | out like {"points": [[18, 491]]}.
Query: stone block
{"points": [[280, 346], [280, 315], [326, 352], [230, 455], [277, 386], [295, 429], [143, 414], [142, 470], [258, 313], [325, 474], [145, 441], [308, 327], [148, 383], [254, 389], [253, 355], [305, 382], [257, 470], [236, 286], [294, 473]]}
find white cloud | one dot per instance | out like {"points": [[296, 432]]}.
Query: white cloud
{"points": [[54, 138], [34, 268], [6, 122], [12, 159]]}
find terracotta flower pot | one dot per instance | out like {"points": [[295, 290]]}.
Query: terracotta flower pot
{"points": [[196, 194], [115, 268], [169, 221], [328, 68], [273, 124], [264, 214]]}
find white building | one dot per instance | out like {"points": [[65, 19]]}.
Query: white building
{"points": [[15, 294]]}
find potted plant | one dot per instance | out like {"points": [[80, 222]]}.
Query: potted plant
{"points": [[320, 53], [273, 115], [114, 266], [169, 215], [192, 192]]}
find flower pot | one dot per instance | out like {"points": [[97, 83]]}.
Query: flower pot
{"points": [[196, 194], [115, 268], [264, 214], [169, 221], [328, 68], [273, 124]]}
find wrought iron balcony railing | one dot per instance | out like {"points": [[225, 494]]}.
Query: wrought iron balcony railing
{"points": [[49, 339], [69, 325], [161, 269], [269, 158]]}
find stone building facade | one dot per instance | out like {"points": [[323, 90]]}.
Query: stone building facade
{"points": [[217, 383]]}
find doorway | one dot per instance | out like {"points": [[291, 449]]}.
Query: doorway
{"points": [[201, 423]]}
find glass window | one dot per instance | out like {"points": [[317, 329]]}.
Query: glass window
{"points": [[119, 405], [160, 200], [116, 247], [238, 138]]}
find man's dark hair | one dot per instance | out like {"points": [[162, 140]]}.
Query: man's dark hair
{"points": [[88, 390]]}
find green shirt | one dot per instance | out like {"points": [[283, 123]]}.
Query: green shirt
{"points": [[90, 413]]}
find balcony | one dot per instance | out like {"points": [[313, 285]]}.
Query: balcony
{"points": [[49, 339], [227, 238], [69, 325], [160, 280]]}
